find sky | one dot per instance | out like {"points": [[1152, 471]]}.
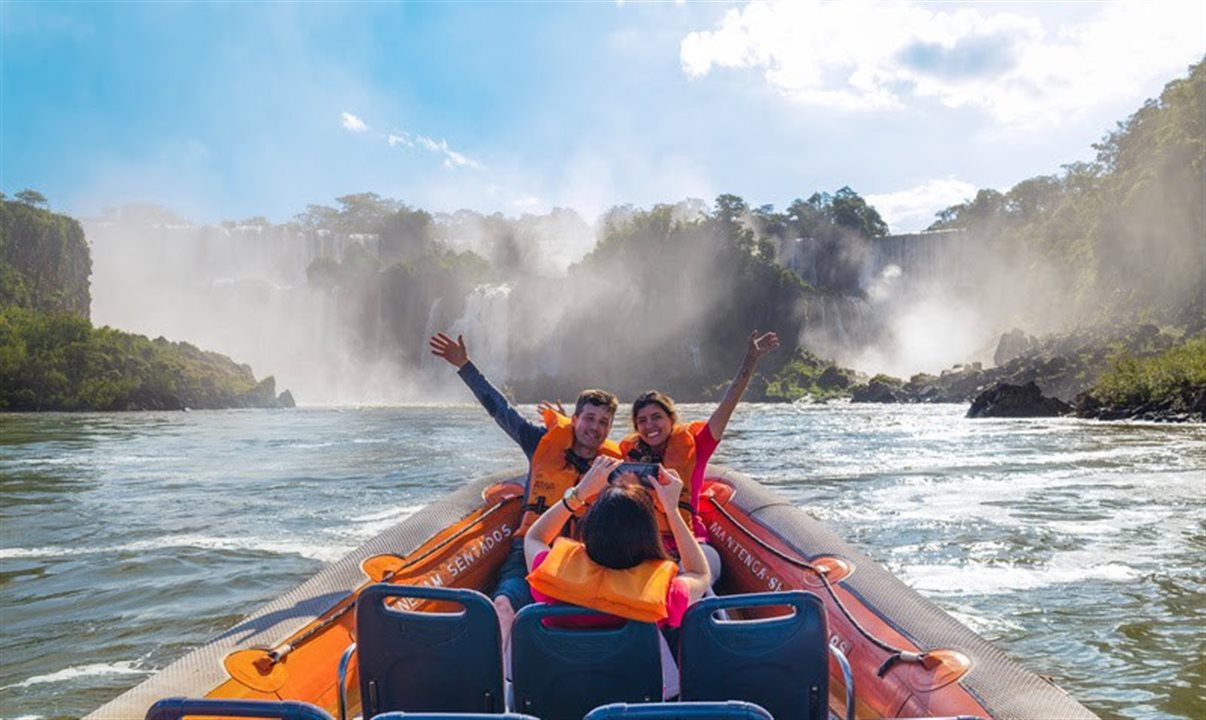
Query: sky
{"points": [[234, 110]]}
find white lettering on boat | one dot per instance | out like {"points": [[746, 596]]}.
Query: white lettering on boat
{"points": [[756, 566], [471, 554], [435, 579], [460, 563]]}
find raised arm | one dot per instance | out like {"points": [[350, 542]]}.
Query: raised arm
{"points": [[756, 347], [523, 431], [695, 573]]}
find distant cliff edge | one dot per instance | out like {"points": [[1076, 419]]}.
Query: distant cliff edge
{"points": [[52, 358]]}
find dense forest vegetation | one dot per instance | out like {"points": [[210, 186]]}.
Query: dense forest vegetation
{"points": [[52, 358]]}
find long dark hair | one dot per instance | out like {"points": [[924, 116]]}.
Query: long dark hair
{"points": [[620, 530]]}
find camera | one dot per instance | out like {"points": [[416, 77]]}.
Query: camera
{"points": [[646, 473]]}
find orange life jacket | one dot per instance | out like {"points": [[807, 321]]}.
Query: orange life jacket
{"points": [[551, 473], [679, 455], [638, 593]]}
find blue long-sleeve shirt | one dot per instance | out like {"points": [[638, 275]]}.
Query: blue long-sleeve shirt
{"points": [[524, 432]]}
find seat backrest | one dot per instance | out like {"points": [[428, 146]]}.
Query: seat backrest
{"points": [[728, 710], [428, 661], [177, 708], [561, 671], [452, 716], [780, 663]]}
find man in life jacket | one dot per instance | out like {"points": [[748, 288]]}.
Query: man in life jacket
{"points": [[558, 452]]}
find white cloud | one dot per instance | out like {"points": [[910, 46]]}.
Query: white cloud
{"points": [[352, 123], [395, 140], [913, 209], [452, 158], [1021, 69]]}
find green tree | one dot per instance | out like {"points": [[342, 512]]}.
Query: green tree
{"points": [[32, 198]]}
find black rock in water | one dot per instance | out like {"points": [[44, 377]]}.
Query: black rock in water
{"points": [[878, 391], [285, 400], [1016, 401]]}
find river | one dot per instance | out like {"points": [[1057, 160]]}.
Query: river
{"points": [[128, 539]]}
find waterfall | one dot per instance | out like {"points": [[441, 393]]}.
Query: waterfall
{"points": [[485, 325]]}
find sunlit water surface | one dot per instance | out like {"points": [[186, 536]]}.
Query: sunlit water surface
{"points": [[128, 539]]}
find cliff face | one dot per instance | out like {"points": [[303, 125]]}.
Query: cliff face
{"points": [[51, 358], [44, 260]]}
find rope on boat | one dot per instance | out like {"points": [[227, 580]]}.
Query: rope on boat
{"points": [[896, 655], [275, 655]]}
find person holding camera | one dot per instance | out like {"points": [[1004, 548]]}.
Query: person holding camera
{"points": [[619, 565]]}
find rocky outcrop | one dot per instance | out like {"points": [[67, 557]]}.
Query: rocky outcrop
{"points": [[1063, 366], [836, 378], [263, 395], [879, 391], [1016, 401], [1189, 405], [1014, 343]]}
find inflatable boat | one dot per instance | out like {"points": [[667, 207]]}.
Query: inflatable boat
{"points": [[900, 654]]}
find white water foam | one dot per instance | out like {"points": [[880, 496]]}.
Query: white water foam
{"points": [[974, 579], [988, 627], [125, 667], [374, 524], [65, 460], [271, 547]]}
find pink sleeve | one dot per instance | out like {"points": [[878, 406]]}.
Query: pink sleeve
{"points": [[677, 602], [705, 445], [536, 594]]}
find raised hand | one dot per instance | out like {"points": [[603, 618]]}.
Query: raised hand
{"points": [[451, 350], [759, 345], [667, 489], [544, 405], [595, 479]]}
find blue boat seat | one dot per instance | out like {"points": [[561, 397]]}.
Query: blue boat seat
{"points": [[780, 663], [452, 716], [177, 708], [561, 672], [730, 710], [432, 662]]}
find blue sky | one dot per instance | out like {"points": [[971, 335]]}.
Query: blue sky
{"points": [[226, 111]]}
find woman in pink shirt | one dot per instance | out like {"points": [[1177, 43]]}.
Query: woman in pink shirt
{"points": [[686, 448]]}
